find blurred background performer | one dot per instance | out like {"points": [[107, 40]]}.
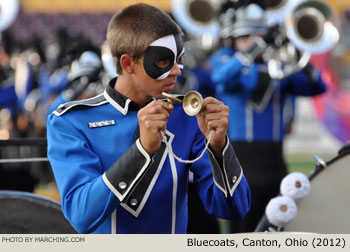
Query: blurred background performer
{"points": [[256, 101]]}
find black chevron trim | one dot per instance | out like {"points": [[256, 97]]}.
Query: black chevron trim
{"points": [[133, 202], [91, 102]]}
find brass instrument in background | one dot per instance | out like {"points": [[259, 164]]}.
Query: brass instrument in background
{"points": [[306, 27], [199, 20], [8, 13], [313, 27], [197, 17]]}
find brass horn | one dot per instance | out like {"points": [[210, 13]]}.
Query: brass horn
{"points": [[312, 27], [192, 102], [197, 17], [306, 27], [8, 13], [277, 10]]}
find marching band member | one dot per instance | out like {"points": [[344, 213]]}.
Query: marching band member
{"points": [[108, 153], [256, 126]]}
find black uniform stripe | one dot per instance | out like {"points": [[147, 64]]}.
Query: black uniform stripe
{"points": [[95, 101]]}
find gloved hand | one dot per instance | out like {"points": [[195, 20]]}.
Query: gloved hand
{"points": [[247, 56]]}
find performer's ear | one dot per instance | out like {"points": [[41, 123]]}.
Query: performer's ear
{"points": [[127, 63]]}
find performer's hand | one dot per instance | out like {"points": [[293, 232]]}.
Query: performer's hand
{"points": [[214, 115], [152, 120], [249, 49]]}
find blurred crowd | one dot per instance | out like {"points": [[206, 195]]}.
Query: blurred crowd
{"points": [[35, 78]]}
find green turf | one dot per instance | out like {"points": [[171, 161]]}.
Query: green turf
{"points": [[303, 166], [304, 163]]}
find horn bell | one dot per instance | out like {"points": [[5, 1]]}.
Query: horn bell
{"points": [[313, 27], [8, 13], [192, 103], [276, 11], [197, 17]]}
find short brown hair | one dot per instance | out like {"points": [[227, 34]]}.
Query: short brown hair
{"points": [[135, 27]]}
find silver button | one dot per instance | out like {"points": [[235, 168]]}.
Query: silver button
{"points": [[133, 202], [234, 179], [122, 185]]}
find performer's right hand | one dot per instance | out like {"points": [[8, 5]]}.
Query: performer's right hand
{"points": [[152, 120]]}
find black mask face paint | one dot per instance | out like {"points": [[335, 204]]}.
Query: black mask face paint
{"points": [[167, 50]]}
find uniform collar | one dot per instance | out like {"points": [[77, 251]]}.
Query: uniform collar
{"points": [[119, 101]]}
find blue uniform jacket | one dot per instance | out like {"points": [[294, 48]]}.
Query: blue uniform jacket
{"points": [[109, 184], [257, 102]]}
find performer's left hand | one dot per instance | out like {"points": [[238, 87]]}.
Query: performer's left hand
{"points": [[214, 115]]}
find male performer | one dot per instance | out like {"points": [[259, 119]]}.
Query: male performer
{"points": [[113, 170]]}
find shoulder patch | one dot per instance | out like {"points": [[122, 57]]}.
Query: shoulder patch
{"points": [[91, 102]]}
